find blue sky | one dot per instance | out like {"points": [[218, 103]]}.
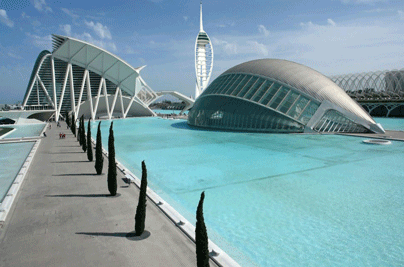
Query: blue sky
{"points": [[332, 37]]}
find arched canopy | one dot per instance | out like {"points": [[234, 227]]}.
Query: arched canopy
{"points": [[97, 60]]}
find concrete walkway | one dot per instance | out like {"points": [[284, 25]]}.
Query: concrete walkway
{"points": [[62, 217]]}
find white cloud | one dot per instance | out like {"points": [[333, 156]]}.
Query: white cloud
{"points": [[67, 29], [4, 19], [263, 30], [226, 24], [229, 48], [331, 22], [259, 48], [36, 23], [14, 55], [99, 29], [401, 14], [41, 5], [367, 2], [185, 18], [90, 39], [25, 16], [129, 50], [43, 42], [71, 14]]}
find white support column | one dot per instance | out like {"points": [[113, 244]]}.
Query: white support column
{"points": [[106, 99], [122, 107], [89, 95], [29, 92], [45, 91], [63, 89], [130, 104], [72, 98], [98, 96], [114, 101], [55, 101], [37, 93], [81, 92]]}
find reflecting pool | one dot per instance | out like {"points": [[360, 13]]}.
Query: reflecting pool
{"points": [[12, 157], [276, 199], [25, 130]]}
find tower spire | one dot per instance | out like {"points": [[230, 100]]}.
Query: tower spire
{"points": [[201, 25]]}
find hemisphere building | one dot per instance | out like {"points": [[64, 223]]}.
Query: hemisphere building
{"points": [[273, 95]]}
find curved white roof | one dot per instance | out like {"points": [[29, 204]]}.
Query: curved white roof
{"points": [[98, 60], [303, 79]]}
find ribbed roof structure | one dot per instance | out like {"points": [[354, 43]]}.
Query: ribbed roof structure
{"points": [[98, 60], [304, 79]]}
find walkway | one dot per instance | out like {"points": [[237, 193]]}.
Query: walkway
{"points": [[62, 217]]}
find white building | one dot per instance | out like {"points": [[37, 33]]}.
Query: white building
{"points": [[203, 59]]}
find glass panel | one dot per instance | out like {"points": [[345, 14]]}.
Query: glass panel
{"points": [[270, 94], [234, 84], [279, 97], [258, 95], [250, 83], [298, 107], [240, 85], [257, 86], [309, 112], [228, 83], [213, 87], [289, 100]]}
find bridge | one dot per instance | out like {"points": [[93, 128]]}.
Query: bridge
{"points": [[189, 102]]}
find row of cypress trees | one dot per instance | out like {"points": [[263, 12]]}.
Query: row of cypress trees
{"points": [[201, 236]]}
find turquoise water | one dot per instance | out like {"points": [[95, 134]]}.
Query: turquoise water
{"points": [[273, 199], [391, 123], [26, 130], [166, 111], [12, 157]]}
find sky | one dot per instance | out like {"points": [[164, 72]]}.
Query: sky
{"points": [[331, 36]]}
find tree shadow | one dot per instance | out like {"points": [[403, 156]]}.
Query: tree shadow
{"points": [[130, 236], [68, 152], [76, 174], [79, 195], [70, 161]]}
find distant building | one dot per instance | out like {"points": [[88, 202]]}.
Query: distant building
{"points": [[394, 81]]}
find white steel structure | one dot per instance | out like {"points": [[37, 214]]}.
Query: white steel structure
{"points": [[87, 80], [203, 59]]}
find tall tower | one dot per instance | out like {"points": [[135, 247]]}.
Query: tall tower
{"points": [[203, 59]]}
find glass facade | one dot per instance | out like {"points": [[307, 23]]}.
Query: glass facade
{"points": [[221, 112], [262, 105], [334, 121]]}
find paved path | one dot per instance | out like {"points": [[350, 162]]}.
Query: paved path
{"points": [[63, 218]]}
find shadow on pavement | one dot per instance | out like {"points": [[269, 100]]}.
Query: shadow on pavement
{"points": [[131, 235]]}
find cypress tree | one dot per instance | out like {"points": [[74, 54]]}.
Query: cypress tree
{"points": [[67, 119], [112, 183], [89, 144], [201, 236], [140, 216], [73, 128], [83, 135], [79, 133], [99, 159]]}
